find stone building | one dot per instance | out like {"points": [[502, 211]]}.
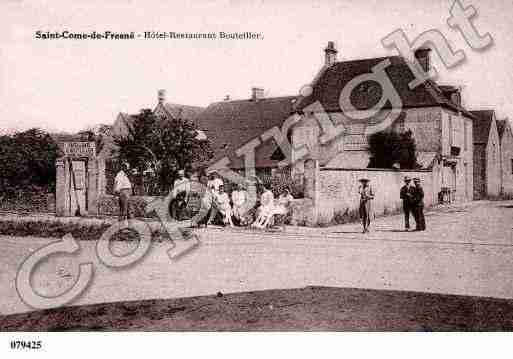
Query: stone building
{"points": [[487, 155], [234, 129], [441, 126], [506, 146]]}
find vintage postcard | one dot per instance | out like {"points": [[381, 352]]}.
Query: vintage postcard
{"points": [[244, 166]]}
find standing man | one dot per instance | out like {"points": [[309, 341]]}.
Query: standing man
{"points": [[181, 190], [366, 196], [123, 188], [406, 195], [418, 204]]}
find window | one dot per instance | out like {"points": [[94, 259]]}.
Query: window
{"points": [[455, 140], [451, 139], [465, 135]]}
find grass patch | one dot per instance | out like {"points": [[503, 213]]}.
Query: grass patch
{"points": [[79, 231]]}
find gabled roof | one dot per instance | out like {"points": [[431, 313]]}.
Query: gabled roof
{"points": [[481, 126], [185, 112], [231, 124], [333, 79], [503, 126]]}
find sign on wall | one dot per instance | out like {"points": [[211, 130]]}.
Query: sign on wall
{"points": [[79, 149], [355, 142]]}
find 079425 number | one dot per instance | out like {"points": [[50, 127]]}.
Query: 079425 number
{"points": [[22, 344]]}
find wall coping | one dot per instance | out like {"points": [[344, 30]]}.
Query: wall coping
{"points": [[373, 169]]}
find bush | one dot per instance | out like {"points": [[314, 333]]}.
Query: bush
{"points": [[388, 148]]}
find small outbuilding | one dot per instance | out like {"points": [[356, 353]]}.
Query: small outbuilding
{"points": [[487, 155]]}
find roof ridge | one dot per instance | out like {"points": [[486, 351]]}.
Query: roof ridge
{"points": [[371, 58], [251, 100]]}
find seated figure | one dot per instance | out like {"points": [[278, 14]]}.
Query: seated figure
{"points": [[239, 200], [266, 209], [222, 206]]}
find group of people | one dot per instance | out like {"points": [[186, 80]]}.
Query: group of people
{"points": [[412, 197], [413, 202], [235, 208]]}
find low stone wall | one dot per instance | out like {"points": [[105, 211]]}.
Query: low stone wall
{"points": [[337, 197], [29, 202], [108, 205]]}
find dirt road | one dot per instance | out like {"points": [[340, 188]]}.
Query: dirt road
{"points": [[466, 250]]}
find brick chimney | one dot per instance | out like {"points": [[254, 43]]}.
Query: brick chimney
{"points": [[422, 57], [162, 96], [452, 93], [257, 93], [330, 54]]}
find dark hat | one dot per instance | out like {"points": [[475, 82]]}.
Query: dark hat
{"points": [[416, 179], [407, 178], [364, 179]]}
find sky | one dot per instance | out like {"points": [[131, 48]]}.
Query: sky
{"points": [[69, 85]]}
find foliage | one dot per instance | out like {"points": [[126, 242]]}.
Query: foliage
{"points": [[96, 134], [389, 148], [156, 148], [27, 161]]}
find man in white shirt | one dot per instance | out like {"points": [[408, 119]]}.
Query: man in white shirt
{"points": [[181, 190], [182, 184], [123, 188]]}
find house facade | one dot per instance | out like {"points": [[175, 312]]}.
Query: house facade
{"points": [[487, 155], [441, 126], [506, 147]]}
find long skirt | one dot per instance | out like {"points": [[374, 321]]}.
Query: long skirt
{"points": [[365, 212]]}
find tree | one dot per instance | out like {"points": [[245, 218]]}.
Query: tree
{"points": [[95, 134], [159, 147], [27, 159], [389, 148]]}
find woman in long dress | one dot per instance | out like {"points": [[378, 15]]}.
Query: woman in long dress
{"points": [[239, 198], [266, 209]]}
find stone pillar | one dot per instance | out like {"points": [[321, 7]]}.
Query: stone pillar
{"points": [[92, 187], [101, 179], [60, 187], [312, 188]]}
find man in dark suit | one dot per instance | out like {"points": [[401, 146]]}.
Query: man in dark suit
{"points": [[406, 195], [418, 203]]}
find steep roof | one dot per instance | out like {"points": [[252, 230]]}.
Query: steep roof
{"points": [[481, 126], [231, 124], [331, 81], [186, 112], [502, 126]]}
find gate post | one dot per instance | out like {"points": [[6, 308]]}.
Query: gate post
{"points": [[60, 187], [92, 187]]}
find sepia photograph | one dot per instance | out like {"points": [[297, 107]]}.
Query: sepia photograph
{"points": [[255, 166]]}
